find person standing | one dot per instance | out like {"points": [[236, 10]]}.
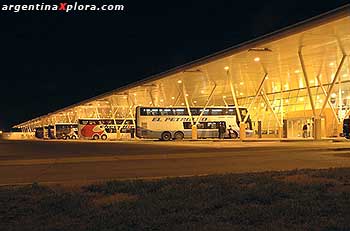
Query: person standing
{"points": [[230, 131], [219, 130], [305, 129], [222, 130]]}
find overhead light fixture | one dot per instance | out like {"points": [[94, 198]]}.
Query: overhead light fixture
{"points": [[241, 93], [333, 95], [179, 81], [195, 101], [345, 75], [331, 64], [241, 83], [224, 96], [172, 97], [256, 59], [226, 68], [301, 99], [297, 71]]}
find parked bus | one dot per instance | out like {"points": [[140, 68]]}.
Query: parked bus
{"points": [[46, 132], [39, 132], [103, 129], [175, 122], [66, 131]]}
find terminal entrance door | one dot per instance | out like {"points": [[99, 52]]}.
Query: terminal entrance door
{"points": [[296, 128]]}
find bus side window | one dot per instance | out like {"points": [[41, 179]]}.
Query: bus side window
{"points": [[201, 125], [211, 125], [187, 125]]}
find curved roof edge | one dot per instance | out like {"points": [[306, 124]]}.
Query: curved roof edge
{"points": [[315, 21]]}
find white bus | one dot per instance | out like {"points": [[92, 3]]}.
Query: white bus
{"points": [[103, 129], [66, 131], [175, 122]]}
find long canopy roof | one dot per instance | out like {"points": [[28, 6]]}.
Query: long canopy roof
{"points": [[320, 42]]}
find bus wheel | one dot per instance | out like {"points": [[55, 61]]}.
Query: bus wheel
{"points": [[234, 135], [95, 137], [166, 136], [104, 137], [179, 136]]}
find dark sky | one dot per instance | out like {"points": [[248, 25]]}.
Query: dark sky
{"points": [[52, 60]]}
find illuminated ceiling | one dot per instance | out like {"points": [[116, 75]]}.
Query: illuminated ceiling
{"points": [[322, 42]]}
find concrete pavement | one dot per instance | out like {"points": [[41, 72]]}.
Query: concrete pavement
{"points": [[23, 162]]}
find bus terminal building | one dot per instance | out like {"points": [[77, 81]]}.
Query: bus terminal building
{"points": [[288, 80]]}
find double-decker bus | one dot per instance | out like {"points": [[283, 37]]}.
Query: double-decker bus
{"points": [[103, 128], [175, 122], [46, 132], [66, 131]]}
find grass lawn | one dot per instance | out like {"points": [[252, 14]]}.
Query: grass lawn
{"points": [[291, 200]]}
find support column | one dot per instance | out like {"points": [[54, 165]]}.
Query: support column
{"points": [[242, 134], [194, 132], [280, 132], [317, 129], [259, 129]]}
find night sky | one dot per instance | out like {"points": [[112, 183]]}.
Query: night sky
{"points": [[52, 60]]}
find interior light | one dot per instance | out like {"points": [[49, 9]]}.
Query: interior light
{"points": [[287, 100], [161, 100], [348, 97], [345, 75], [342, 92], [224, 96], [333, 95], [186, 95], [266, 77], [179, 81], [297, 71], [202, 92], [241, 93], [262, 104], [172, 97], [134, 94], [195, 101], [301, 99], [256, 59], [312, 81], [182, 104], [331, 64], [241, 83], [226, 68]]}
